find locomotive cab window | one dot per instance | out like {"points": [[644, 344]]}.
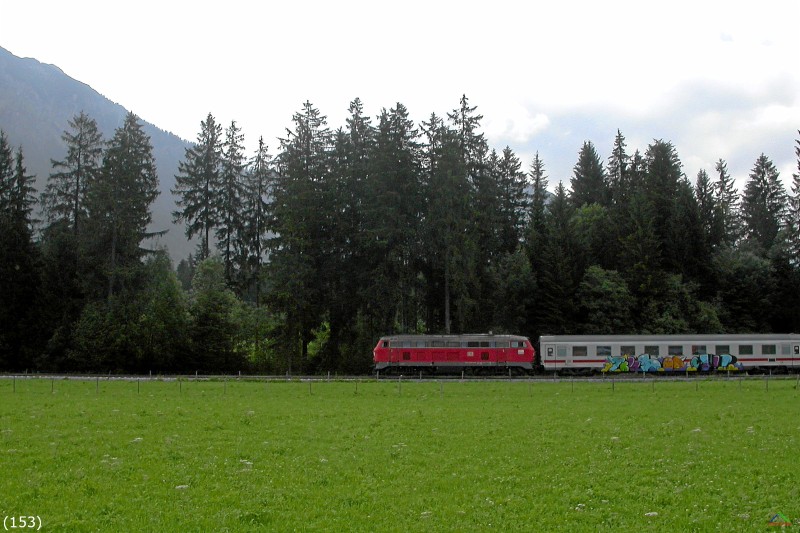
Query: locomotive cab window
{"points": [[502, 344], [385, 344], [421, 344], [517, 344]]}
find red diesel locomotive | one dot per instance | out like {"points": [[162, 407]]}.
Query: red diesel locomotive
{"points": [[477, 354]]}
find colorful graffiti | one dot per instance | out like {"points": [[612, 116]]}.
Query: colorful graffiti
{"points": [[672, 363]]}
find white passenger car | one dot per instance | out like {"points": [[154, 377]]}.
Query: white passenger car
{"points": [[669, 353]]}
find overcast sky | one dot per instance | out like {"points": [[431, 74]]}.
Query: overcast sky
{"points": [[718, 79]]}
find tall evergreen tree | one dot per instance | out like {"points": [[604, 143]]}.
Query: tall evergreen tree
{"points": [[618, 172], [119, 202], [20, 327], [538, 211], [621, 170], [793, 215], [23, 192], [299, 218], [513, 202], [350, 177], [763, 205], [472, 144], [589, 179], [198, 183], [452, 245], [708, 209], [259, 182], [686, 239], [393, 217], [558, 277], [229, 230], [663, 177], [64, 197], [6, 175], [727, 203], [641, 250], [539, 194]]}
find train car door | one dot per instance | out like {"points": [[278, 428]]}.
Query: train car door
{"points": [[796, 355], [501, 354], [555, 356]]}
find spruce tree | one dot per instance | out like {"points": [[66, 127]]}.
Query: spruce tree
{"points": [[513, 202], [538, 211], [558, 276], [198, 183], [472, 144], [618, 172], [708, 209], [793, 214], [64, 197], [763, 205], [21, 332], [642, 259], [299, 217], [119, 203], [452, 246], [589, 179], [6, 175], [353, 196], [663, 176], [259, 179], [229, 230], [394, 213], [727, 203]]}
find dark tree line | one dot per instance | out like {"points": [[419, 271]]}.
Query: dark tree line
{"points": [[380, 226]]}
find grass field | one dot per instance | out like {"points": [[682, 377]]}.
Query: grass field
{"points": [[693, 455]]}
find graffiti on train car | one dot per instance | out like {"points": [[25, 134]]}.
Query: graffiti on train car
{"points": [[672, 363]]}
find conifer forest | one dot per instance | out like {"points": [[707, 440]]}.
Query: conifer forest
{"points": [[308, 253]]}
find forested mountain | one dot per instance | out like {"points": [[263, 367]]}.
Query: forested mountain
{"points": [[380, 225], [36, 103]]}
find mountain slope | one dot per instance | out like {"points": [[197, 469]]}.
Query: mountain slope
{"points": [[37, 101]]}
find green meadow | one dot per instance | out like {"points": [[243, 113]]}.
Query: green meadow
{"points": [[663, 455]]}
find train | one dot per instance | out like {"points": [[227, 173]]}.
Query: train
{"points": [[489, 354], [473, 354], [581, 354]]}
